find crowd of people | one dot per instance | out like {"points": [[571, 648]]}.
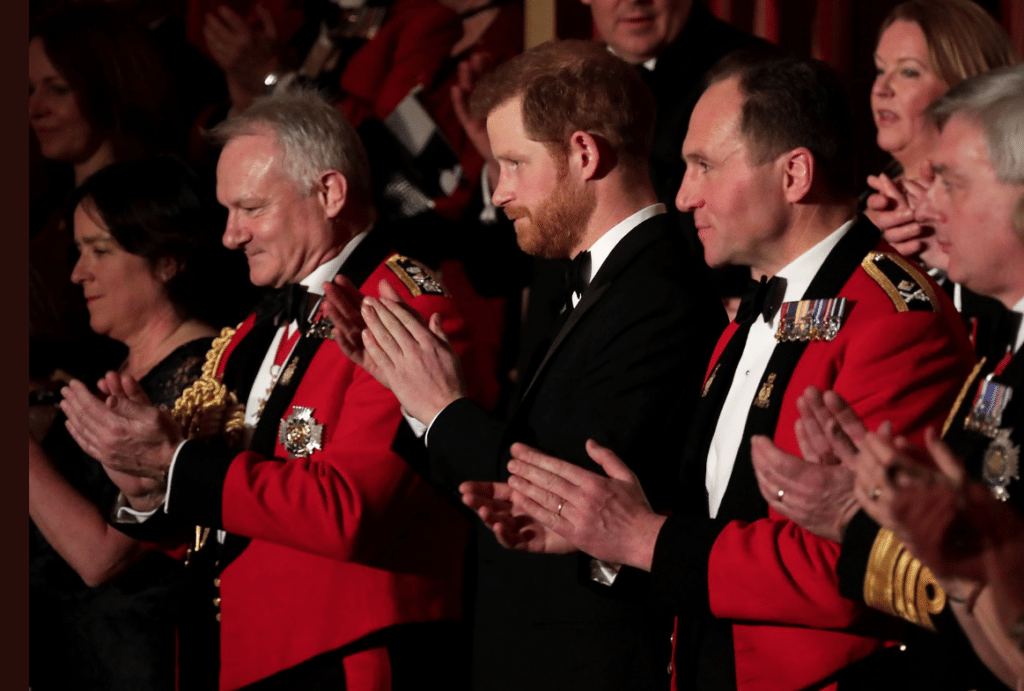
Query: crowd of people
{"points": [[370, 351]]}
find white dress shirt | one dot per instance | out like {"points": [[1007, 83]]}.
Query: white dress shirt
{"points": [[725, 443], [1019, 309]]}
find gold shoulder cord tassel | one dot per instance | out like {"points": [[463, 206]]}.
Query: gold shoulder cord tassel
{"points": [[898, 584], [207, 409]]}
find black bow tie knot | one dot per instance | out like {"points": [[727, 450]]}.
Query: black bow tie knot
{"points": [[287, 304], [761, 298]]}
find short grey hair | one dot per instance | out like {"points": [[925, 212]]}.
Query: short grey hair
{"points": [[995, 100], [313, 135]]}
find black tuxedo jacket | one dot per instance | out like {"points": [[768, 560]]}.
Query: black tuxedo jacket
{"points": [[641, 335]]}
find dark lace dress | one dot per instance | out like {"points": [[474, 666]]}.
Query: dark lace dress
{"points": [[120, 635]]}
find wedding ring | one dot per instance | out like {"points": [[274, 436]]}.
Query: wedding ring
{"points": [[559, 511], [782, 493], [876, 492]]}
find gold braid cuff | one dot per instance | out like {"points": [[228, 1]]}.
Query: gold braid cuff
{"points": [[206, 408], [898, 584]]}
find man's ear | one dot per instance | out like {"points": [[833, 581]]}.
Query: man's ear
{"points": [[797, 174], [584, 155], [332, 191]]}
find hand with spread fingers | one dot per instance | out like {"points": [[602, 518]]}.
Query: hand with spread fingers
{"points": [[500, 509], [123, 432], [893, 208], [410, 357], [607, 517], [816, 491]]}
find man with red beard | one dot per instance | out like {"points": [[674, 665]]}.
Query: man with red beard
{"points": [[570, 126]]}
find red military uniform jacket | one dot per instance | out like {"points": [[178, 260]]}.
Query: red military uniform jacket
{"points": [[333, 544], [758, 596]]}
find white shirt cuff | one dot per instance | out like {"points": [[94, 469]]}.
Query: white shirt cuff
{"points": [[604, 572], [418, 428], [124, 513]]}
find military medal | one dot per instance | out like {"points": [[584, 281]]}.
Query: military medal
{"points": [[289, 372], [321, 328], [319, 325], [987, 411], [1000, 464], [300, 433], [765, 393], [811, 320]]}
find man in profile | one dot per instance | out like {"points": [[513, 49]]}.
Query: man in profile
{"points": [[321, 558], [569, 125], [768, 180], [979, 188]]}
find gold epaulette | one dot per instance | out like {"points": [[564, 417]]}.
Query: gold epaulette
{"points": [[904, 283], [417, 278], [206, 408], [898, 584]]}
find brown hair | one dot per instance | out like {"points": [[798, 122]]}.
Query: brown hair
{"points": [[789, 103], [124, 87], [963, 39], [570, 86]]}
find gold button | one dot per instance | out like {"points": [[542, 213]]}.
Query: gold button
{"points": [[216, 602], [217, 617], [670, 668], [216, 582], [672, 638]]}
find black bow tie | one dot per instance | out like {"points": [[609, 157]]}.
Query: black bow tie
{"points": [[761, 298], [577, 277], [287, 304]]}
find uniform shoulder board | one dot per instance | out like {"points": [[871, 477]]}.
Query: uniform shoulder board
{"points": [[417, 278], [904, 283]]}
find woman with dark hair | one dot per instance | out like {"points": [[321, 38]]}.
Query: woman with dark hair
{"points": [[99, 90], [98, 93], [102, 604]]}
